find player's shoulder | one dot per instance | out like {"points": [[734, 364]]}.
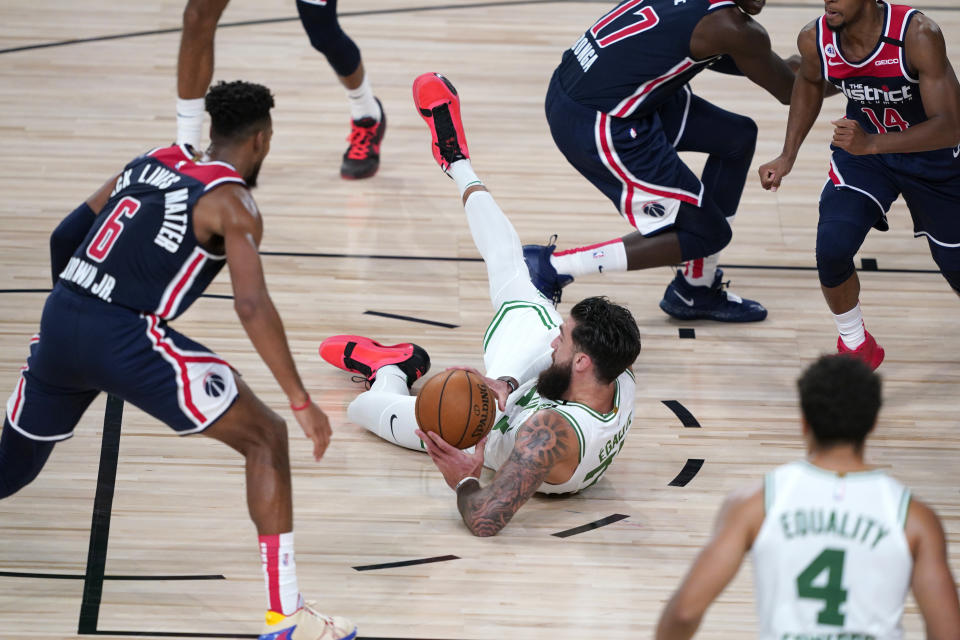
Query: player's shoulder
{"points": [[733, 29], [923, 29]]}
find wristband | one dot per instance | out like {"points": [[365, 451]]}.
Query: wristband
{"points": [[511, 382], [306, 403], [461, 483]]}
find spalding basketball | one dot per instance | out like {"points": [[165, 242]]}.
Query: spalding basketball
{"points": [[458, 405]]}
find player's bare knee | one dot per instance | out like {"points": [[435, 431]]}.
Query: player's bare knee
{"points": [[200, 18]]}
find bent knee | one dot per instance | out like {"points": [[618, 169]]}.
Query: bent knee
{"points": [[200, 17]]}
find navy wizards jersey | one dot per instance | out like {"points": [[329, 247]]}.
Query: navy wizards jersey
{"points": [[141, 252], [882, 94], [635, 56]]}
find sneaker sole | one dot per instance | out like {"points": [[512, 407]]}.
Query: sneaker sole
{"points": [[689, 313]]}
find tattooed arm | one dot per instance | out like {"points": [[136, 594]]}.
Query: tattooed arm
{"points": [[546, 449]]}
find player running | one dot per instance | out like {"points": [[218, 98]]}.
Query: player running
{"points": [[900, 136], [836, 544], [620, 109], [129, 260]]}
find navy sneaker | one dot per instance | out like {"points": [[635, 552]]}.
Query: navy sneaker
{"points": [[687, 302], [542, 274]]}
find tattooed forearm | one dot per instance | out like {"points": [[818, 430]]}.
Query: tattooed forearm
{"points": [[543, 441]]}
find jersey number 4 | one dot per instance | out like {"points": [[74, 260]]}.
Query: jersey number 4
{"points": [[831, 590], [648, 20], [110, 232]]}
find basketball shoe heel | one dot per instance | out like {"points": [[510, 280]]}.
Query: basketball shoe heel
{"points": [[364, 356], [439, 106], [684, 301], [362, 157], [542, 273], [306, 623], [870, 352]]}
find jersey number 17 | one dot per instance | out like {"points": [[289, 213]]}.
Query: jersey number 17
{"points": [[648, 20]]}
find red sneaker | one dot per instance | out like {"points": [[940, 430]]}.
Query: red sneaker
{"points": [[870, 352], [364, 356], [362, 157], [439, 106]]}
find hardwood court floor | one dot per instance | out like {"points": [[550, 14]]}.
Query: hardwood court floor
{"points": [[71, 115]]}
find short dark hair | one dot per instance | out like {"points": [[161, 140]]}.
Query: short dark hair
{"points": [[840, 399], [608, 334], [237, 109]]}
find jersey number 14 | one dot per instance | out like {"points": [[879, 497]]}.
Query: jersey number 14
{"points": [[831, 592]]}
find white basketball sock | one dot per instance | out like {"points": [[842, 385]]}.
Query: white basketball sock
{"points": [[190, 121], [280, 573], [850, 326], [700, 272], [362, 102], [463, 174], [596, 258]]}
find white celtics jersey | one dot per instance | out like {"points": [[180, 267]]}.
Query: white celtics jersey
{"points": [[831, 560], [600, 435]]}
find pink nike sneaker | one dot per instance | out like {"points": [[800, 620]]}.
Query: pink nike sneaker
{"points": [[870, 352], [364, 356], [439, 106]]}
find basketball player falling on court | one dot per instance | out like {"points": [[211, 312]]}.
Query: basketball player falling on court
{"points": [[136, 255], [900, 136], [620, 110], [836, 544], [564, 387], [319, 19]]}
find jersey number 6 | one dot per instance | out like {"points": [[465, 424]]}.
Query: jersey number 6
{"points": [[110, 231], [648, 20]]}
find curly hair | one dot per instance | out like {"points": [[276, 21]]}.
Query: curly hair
{"points": [[608, 334], [237, 108], [840, 398]]}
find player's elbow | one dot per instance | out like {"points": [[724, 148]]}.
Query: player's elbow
{"points": [[483, 528], [679, 615], [247, 307]]}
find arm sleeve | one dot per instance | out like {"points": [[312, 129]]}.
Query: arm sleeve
{"points": [[68, 235]]}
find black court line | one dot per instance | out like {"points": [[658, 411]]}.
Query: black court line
{"points": [[868, 264], [590, 526], [368, 256], [405, 563], [372, 12], [181, 634], [396, 316], [247, 23], [100, 526], [688, 472], [66, 576], [686, 418], [688, 333]]}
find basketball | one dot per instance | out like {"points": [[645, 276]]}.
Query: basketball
{"points": [[458, 406]]}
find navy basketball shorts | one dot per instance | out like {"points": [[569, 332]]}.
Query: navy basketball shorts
{"points": [[86, 346], [632, 161], [931, 193]]}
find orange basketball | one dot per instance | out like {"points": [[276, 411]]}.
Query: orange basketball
{"points": [[458, 405]]}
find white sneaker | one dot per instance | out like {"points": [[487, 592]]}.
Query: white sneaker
{"points": [[306, 623]]}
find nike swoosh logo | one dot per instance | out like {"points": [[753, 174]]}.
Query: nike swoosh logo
{"points": [[392, 418], [832, 63], [689, 302]]}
